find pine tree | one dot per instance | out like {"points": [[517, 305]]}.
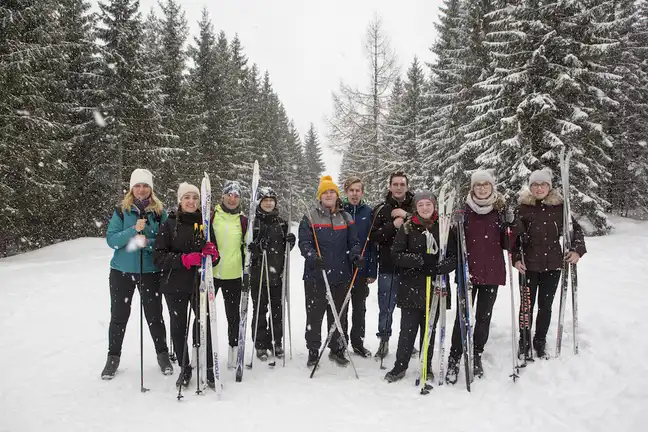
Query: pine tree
{"points": [[31, 119], [628, 188], [407, 126], [203, 122], [86, 185], [175, 161], [132, 100], [314, 166], [462, 61], [543, 96]]}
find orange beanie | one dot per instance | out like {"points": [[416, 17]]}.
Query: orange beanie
{"points": [[326, 183]]}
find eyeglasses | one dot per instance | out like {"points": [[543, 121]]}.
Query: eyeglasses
{"points": [[482, 185], [539, 185]]}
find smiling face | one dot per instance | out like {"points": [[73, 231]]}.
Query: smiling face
{"points": [[231, 201], [189, 202], [425, 208], [141, 191], [482, 190], [540, 190], [329, 199]]}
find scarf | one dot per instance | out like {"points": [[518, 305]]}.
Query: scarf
{"points": [[481, 206]]}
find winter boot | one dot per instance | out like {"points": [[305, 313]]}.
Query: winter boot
{"points": [[478, 369], [165, 363], [109, 371], [262, 354], [185, 377], [394, 375], [279, 352], [232, 354], [524, 352], [541, 348], [383, 349], [338, 357], [312, 357], [361, 350], [453, 371]]}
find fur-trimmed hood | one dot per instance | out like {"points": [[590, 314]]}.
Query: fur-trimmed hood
{"points": [[553, 198]]}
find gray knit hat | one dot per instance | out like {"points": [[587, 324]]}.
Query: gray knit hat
{"points": [[541, 176], [425, 195], [482, 176]]}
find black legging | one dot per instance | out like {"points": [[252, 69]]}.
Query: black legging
{"points": [[485, 295], [122, 288], [544, 284]]}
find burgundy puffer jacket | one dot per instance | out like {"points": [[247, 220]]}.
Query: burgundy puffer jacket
{"points": [[484, 242]]}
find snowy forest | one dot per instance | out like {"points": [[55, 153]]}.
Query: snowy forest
{"points": [[87, 97], [511, 84]]}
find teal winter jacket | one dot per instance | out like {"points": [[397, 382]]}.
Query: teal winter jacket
{"points": [[120, 232]]}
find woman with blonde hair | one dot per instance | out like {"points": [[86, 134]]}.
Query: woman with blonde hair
{"points": [[131, 230]]}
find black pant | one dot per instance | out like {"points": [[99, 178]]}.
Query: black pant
{"points": [[316, 304], [178, 305], [413, 320], [262, 329], [232, 296], [485, 295], [122, 288], [359, 294], [544, 284]]}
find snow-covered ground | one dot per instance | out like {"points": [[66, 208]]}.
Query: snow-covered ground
{"points": [[54, 315]]}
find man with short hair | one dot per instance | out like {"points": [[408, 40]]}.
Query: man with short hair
{"points": [[390, 216], [362, 215]]}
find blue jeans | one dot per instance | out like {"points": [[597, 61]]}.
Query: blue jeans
{"points": [[387, 289]]}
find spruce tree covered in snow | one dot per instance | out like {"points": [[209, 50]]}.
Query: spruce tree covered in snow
{"points": [[546, 90], [627, 26], [406, 126], [85, 183], [314, 166], [32, 116], [357, 125], [172, 35], [294, 168], [132, 101], [461, 62]]}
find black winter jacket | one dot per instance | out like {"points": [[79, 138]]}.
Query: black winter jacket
{"points": [[407, 252], [269, 233], [384, 231], [178, 236]]}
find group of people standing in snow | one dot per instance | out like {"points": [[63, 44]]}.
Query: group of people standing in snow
{"points": [[347, 245]]}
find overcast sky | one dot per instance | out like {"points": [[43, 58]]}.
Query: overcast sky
{"points": [[308, 46]]}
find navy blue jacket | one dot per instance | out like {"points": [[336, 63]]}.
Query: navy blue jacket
{"points": [[338, 243], [362, 215]]}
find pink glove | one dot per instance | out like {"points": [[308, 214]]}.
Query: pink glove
{"points": [[210, 249], [191, 259]]}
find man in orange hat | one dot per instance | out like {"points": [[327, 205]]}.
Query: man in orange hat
{"points": [[328, 241]]}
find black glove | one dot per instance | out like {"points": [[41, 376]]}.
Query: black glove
{"points": [[429, 264], [358, 261], [254, 248], [290, 239], [319, 263]]}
